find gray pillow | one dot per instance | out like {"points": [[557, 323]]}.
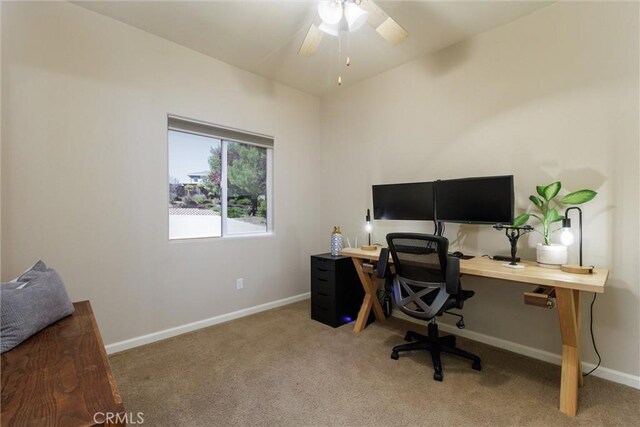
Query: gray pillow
{"points": [[33, 271], [11, 285], [31, 305]]}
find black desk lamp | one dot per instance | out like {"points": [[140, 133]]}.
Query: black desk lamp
{"points": [[567, 236], [368, 225], [368, 229]]}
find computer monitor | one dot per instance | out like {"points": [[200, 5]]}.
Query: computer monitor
{"points": [[482, 200], [409, 201]]}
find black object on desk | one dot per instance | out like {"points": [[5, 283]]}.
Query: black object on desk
{"points": [[513, 234], [504, 258], [336, 292], [458, 254]]}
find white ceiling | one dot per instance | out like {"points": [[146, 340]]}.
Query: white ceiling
{"points": [[264, 36]]}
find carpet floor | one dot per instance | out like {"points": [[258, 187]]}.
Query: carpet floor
{"points": [[281, 368]]}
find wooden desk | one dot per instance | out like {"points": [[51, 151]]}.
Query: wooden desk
{"points": [[567, 287], [60, 376]]}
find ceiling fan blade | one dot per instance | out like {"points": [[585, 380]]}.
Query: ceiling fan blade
{"points": [[376, 15], [389, 29], [392, 32], [311, 41]]}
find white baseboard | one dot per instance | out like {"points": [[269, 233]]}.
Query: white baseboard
{"points": [[172, 332], [601, 372]]}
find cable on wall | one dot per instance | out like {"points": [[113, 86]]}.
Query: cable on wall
{"points": [[593, 340]]}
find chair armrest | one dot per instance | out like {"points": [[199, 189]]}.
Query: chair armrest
{"points": [[453, 275], [383, 263]]}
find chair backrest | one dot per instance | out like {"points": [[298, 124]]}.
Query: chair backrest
{"points": [[421, 257], [425, 276]]}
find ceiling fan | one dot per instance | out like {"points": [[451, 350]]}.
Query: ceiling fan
{"points": [[349, 15]]}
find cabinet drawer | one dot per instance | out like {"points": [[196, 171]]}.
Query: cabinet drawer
{"points": [[324, 315], [325, 275], [324, 264], [323, 301], [322, 286]]}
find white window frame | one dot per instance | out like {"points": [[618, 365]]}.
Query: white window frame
{"points": [[249, 140]]}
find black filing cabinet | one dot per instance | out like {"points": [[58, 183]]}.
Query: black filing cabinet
{"points": [[336, 292]]}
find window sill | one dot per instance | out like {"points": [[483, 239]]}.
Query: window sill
{"points": [[248, 235], [230, 237]]}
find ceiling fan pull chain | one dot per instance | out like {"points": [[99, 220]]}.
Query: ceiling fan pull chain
{"points": [[339, 56], [348, 50]]}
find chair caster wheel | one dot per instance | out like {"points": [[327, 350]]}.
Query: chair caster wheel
{"points": [[476, 366], [394, 355], [408, 337], [437, 376]]}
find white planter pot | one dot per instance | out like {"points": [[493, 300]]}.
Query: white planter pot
{"points": [[551, 256]]}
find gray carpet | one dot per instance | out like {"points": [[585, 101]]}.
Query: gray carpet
{"points": [[281, 368]]}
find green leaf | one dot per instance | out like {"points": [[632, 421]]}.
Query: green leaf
{"points": [[578, 197], [536, 201], [520, 220], [540, 190], [537, 217], [553, 216], [551, 190]]}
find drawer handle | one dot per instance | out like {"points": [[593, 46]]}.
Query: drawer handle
{"points": [[322, 280], [322, 269], [324, 295]]}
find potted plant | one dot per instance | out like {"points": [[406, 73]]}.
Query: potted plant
{"points": [[549, 254]]}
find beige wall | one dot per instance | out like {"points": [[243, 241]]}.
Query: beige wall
{"points": [[553, 95], [84, 170]]}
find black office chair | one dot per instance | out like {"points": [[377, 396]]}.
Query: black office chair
{"points": [[426, 283]]}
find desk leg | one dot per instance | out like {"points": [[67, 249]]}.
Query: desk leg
{"points": [[567, 303], [576, 302], [370, 298]]}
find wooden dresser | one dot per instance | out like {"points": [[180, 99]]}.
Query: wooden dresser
{"points": [[60, 376]]}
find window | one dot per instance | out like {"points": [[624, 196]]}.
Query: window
{"points": [[219, 181]]}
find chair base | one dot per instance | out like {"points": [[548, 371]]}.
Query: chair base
{"points": [[435, 345]]}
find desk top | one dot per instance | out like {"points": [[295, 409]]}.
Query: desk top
{"points": [[532, 273], [60, 376]]}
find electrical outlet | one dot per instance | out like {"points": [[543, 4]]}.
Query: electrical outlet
{"points": [[239, 284]]}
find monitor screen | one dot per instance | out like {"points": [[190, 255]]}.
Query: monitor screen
{"points": [[483, 200], [411, 201]]}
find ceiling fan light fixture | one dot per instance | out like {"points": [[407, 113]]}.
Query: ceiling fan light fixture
{"points": [[332, 30], [355, 16], [330, 12]]}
